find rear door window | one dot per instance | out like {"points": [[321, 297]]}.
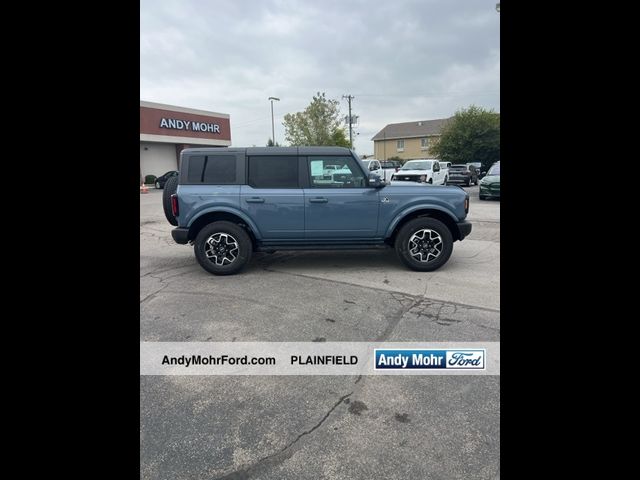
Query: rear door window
{"points": [[273, 171]]}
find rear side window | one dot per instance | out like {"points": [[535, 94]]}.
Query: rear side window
{"points": [[220, 169], [196, 166], [212, 169], [273, 171]]}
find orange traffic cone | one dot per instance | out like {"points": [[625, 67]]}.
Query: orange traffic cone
{"points": [[143, 188]]}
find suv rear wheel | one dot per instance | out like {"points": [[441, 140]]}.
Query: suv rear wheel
{"points": [[223, 248], [424, 244]]}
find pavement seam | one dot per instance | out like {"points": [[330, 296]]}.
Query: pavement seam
{"points": [[383, 290]]}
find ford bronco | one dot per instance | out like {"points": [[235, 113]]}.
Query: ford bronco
{"points": [[230, 202]]}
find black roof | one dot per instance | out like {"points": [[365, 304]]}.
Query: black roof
{"points": [[273, 150]]}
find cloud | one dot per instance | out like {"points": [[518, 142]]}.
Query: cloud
{"points": [[403, 60]]}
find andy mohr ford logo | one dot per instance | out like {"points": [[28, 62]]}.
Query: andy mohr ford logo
{"points": [[416, 359]]}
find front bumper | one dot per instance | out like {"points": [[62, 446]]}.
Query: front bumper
{"points": [[409, 178], [490, 190], [464, 228], [180, 235]]}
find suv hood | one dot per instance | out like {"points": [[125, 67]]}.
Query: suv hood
{"points": [[413, 172], [421, 189]]}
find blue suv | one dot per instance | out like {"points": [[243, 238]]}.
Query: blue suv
{"points": [[230, 202]]}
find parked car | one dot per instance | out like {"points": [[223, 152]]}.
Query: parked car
{"points": [[162, 179], [421, 171], [465, 174], [444, 166], [490, 184], [478, 166], [373, 166], [391, 165], [230, 202]]}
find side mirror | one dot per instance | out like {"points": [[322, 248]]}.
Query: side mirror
{"points": [[375, 181]]}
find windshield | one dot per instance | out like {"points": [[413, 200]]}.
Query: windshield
{"points": [[458, 167], [422, 165], [389, 164], [495, 170]]}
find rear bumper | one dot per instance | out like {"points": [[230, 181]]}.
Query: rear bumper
{"points": [[464, 228], [459, 179], [180, 235]]}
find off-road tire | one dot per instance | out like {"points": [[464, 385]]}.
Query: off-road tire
{"points": [[417, 225], [237, 234]]}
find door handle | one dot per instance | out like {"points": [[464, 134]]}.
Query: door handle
{"points": [[255, 200], [318, 200]]}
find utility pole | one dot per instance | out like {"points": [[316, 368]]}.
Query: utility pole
{"points": [[273, 130], [349, 98]]}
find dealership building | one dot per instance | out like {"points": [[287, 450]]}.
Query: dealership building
{"points": [[165, 130]]}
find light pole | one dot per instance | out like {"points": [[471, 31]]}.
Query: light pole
{"points": [[273, 130]]}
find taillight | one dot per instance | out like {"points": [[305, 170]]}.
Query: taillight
{"points": [[466, 205], [174, 205]]}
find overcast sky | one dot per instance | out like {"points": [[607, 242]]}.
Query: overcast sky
{"points": [[403, 60]]}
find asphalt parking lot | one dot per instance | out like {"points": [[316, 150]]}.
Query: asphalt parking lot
{"points": [[333, 427]]}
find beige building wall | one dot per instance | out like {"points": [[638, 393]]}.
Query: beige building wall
{"points": [[157, 158], [384, 149]]}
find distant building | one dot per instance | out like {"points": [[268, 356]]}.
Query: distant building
{"points": [[408, 140], [165, 130]]}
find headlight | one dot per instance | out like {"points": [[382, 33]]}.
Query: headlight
{"points": [[423, 178]]}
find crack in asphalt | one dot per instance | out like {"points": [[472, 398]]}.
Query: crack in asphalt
{"points": [[438, 317], [395, 319], [280, 456]]}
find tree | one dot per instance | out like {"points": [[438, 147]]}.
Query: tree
{"points": [[318, 124], [270, 143], [472, 135]]}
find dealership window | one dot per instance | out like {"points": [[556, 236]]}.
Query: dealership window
{"points": [[335, 172], [400, 145], [220, 169], [273, 171], [424, 143]]}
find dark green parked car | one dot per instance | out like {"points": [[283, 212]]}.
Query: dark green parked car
{"points": [[490, 183]]}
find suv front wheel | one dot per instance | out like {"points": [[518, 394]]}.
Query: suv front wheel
{"points": [[223, 248], [424, 244]]}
